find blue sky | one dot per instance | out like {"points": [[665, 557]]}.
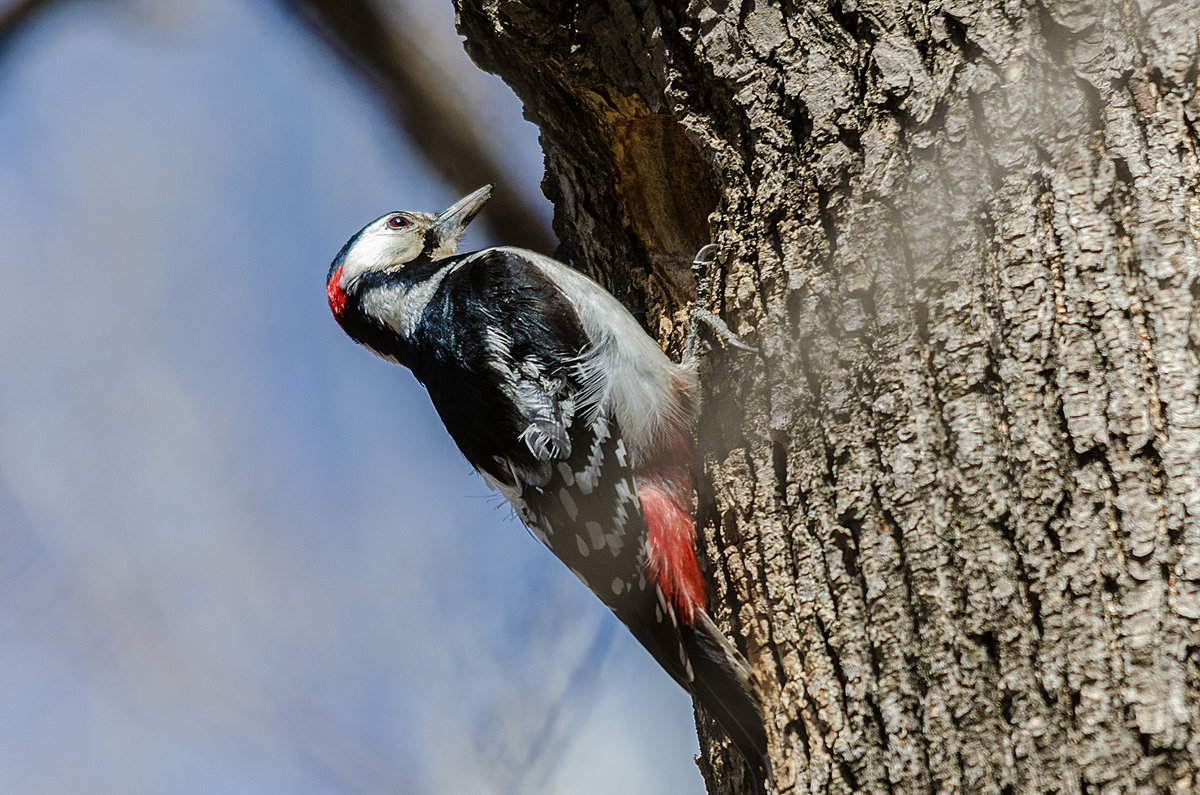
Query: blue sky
{"points": [[238, 554]]}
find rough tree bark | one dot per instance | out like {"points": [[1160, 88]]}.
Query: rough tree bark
{"points": [[953, 513]]}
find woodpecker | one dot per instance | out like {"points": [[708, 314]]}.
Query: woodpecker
{"points": [[560, 400]]}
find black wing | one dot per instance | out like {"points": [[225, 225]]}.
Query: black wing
{"points": [[507, 383], [505, 343]]}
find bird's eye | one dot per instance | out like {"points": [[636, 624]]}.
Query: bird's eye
{"points": [[398, 222]]}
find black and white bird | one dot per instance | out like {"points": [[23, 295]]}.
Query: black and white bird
{"points": [[561, 401]]}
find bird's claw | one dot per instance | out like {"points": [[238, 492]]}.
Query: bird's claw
{"points": [[704, 285]]}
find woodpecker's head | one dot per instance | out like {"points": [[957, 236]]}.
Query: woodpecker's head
{"points": [[399, 242]]}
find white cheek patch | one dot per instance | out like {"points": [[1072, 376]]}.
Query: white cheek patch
{"points": [[380, 249]]}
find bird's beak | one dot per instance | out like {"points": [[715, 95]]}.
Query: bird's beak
{"points": [[450, 223]]}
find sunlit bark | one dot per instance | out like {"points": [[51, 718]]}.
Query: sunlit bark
{"points": [[953, 513]]}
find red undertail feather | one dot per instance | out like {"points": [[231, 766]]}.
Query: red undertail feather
{"points": [[671, 546], [664, 485]]}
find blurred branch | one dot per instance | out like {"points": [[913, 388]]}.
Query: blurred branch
{"points": [[12, 15], [427, 105], [429, 109]]}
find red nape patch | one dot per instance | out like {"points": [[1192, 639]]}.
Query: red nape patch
{"points": [[337, 296], [671, 550]]}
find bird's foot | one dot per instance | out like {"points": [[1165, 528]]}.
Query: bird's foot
{"points": [[703, 273]]}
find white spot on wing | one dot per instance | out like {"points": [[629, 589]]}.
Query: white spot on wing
{"points": [[595, 533], [625, 495], [568, 503], [568, 477], [589, 476], [670, 609]]}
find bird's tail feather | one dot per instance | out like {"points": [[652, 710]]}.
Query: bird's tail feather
{"points": [[724, 686], [699, 657]]}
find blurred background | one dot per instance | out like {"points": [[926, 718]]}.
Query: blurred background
{"points": [[239, 554]]}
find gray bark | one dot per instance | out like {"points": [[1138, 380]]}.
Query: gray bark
{"points": [[953, 513]]}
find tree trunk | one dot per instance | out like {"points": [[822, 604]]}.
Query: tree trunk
{"points": [[952, 514]]}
